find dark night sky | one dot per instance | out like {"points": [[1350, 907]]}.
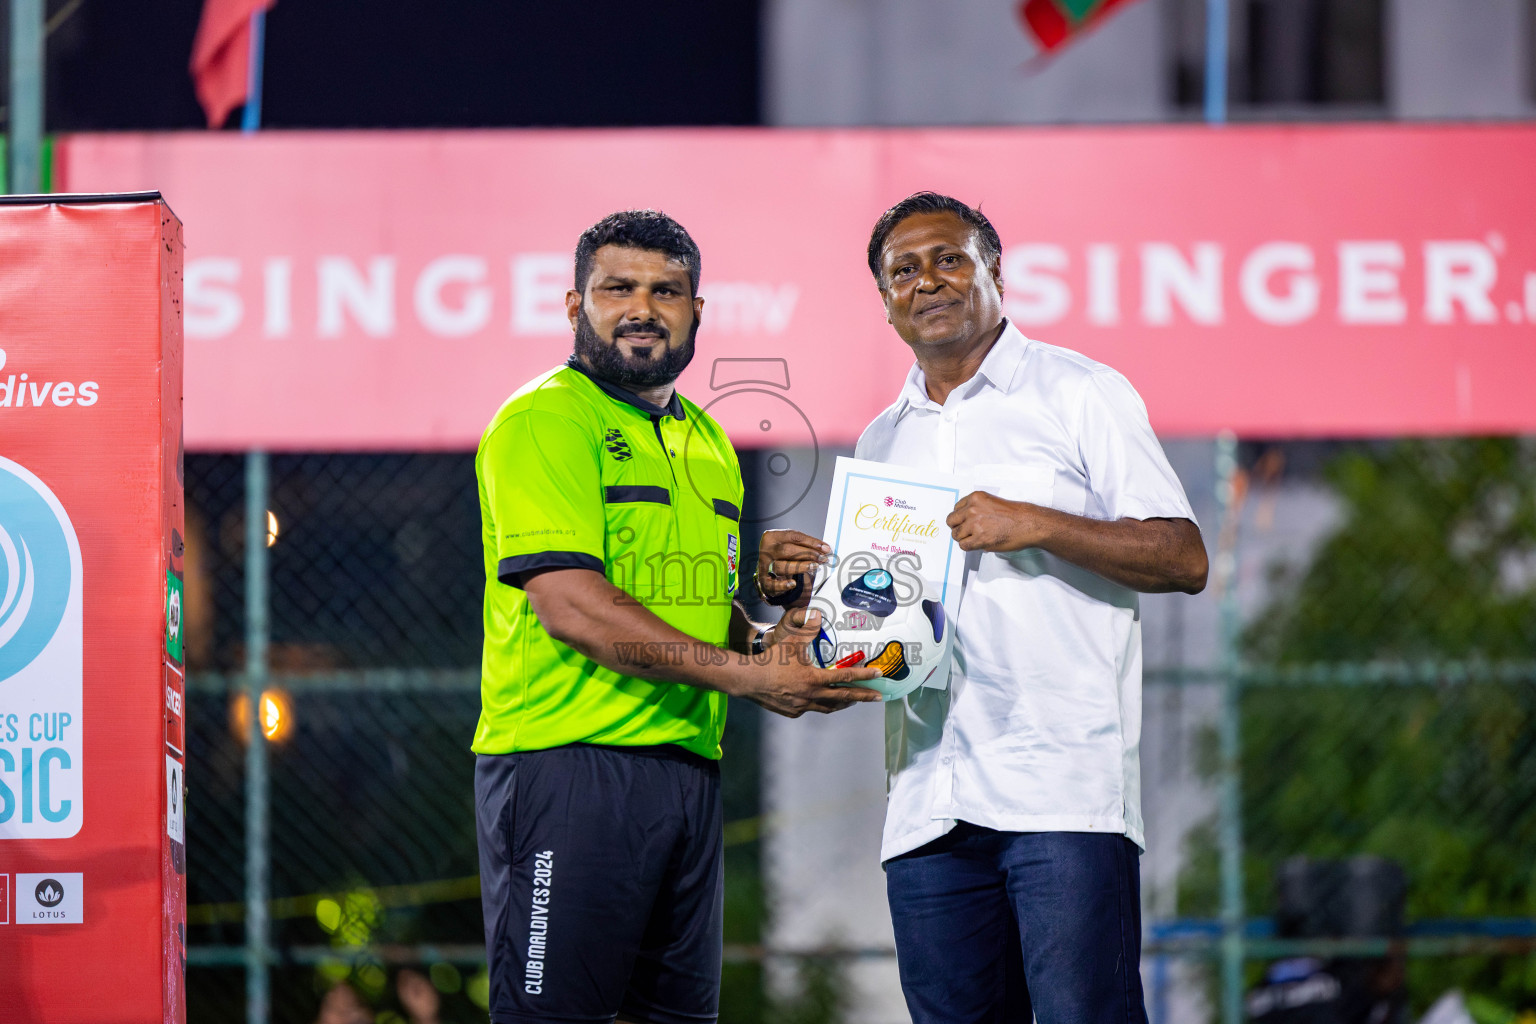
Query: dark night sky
{"points": [[116, 65]]}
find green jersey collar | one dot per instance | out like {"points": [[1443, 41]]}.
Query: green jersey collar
{"points": [[673, 408]]}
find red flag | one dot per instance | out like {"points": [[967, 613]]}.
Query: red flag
{"points": [[1055, 22], [221, 55]]}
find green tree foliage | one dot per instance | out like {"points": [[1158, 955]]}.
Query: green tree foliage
{"points": [[1434, 560]]}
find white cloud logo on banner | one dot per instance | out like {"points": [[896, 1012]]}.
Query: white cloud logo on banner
{"points": [[34, 572], [41, 661]]}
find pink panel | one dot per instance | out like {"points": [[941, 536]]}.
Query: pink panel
{"points": [[388, 290]]}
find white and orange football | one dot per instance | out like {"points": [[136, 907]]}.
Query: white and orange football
{"points": [[864, 623]]}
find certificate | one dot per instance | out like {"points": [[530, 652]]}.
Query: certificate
{"points": [[883, 516]]}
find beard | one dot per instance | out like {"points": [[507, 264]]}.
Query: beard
{"points": [[636, 372]]}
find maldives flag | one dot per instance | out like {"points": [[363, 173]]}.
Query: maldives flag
{"points": [[1055, 22], [221, 55]]}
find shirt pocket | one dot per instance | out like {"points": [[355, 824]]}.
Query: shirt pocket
{"points": [[640, 524], [1014, 482]]}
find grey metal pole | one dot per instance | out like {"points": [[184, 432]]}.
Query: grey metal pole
{"points": [[257, 998], [26, 101], [258, 1001], [1230, 820]]}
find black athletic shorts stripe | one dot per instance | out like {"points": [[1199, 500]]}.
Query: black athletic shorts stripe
{"points": [[601, 875]]}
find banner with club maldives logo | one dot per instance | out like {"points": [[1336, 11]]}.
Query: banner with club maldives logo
{"points": [[41, 661], [388, 290], [92, 843]]}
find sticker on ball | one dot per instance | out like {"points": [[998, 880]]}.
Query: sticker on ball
{"points": [[864, 623]]}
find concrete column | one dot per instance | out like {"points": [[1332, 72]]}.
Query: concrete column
{"points": [[1459, 59], [824, 797]]}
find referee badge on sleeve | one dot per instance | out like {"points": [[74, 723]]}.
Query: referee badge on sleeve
{"points": [[730, 563]]}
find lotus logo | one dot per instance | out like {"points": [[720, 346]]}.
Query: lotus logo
{"points": [[34, 570], [49, 893]]}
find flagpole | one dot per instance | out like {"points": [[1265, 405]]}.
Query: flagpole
{"points": [[250, 119], [1216, 61]]}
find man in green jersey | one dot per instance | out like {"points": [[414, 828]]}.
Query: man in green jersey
{"points": [[610, 509]]}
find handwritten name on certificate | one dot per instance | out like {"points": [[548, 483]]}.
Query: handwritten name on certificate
{"points": [[892, 517]]}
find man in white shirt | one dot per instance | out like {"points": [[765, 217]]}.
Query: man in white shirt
{"points": [[1013, 823]]}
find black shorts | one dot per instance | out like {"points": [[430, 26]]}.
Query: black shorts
{"points": [[601, 876]]}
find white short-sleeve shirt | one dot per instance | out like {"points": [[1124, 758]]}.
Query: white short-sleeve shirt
{"points": [[1039, 730]]}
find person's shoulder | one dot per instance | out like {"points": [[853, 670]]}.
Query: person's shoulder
{"points": [[1063, 363], [561, 392], [872, 442], [1082, 389], [705, 425], [1066, 375]]}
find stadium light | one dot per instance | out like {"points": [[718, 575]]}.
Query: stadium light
{"points": [[276, 719]]}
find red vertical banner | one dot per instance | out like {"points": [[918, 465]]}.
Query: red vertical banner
{"points": [[92, 832]]}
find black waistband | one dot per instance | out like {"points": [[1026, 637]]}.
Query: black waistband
{"points": [[661, 751]]}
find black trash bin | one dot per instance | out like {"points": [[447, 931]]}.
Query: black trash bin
{"points": [[1361, 897]]}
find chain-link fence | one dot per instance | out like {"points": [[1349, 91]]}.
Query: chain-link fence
{"points": [[371, 635], [1368, 688], [1372, 841], [371, 693]]}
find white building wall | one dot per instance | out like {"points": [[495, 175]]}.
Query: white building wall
{"points": [[915, 62], [1460, 58]]}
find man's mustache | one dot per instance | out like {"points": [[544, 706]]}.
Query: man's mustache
{"points": [[655, 327]]}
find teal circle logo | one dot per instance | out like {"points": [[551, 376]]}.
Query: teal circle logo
{"points": [[34, 571], [877, 579]]}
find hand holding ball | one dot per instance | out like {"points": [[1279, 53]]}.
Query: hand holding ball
{"points": [[865, 624]]}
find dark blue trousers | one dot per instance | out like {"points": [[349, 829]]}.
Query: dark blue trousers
{"points": [[994, 927]]}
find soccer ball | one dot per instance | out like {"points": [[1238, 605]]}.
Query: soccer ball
{"points": [[864, 624]]}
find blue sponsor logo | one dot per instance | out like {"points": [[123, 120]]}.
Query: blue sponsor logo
{"points": [[877, 579], [34, 572]]}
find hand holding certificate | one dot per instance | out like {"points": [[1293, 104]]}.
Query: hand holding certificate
{"points": [[891, 587]]}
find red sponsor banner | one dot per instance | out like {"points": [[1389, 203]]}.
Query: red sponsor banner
{"points": [[90, 563], [388, 290]]}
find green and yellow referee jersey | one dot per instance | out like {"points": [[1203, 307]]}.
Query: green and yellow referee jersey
{"points": [[575, 472]]}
